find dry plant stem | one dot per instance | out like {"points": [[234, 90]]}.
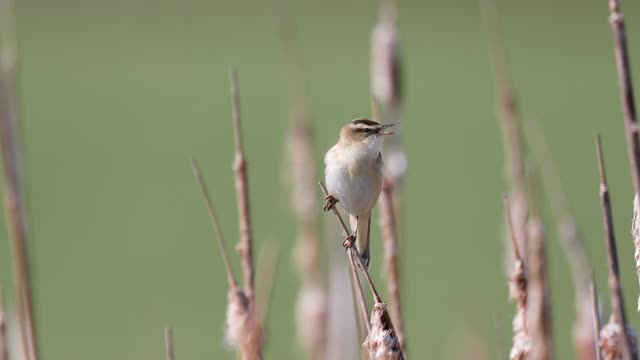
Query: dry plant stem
{"points": [[617, 303], [386, 83], [538, 306], [356, 279], [168, 343], [596, 317], [245, 246], [389, 226], [214, 221], [311, 307], [510, 123], [15, 211], [518, 292], [362, 302], [390, 234], [626, 89], [616, 20], [569, 234], [4, 349]]}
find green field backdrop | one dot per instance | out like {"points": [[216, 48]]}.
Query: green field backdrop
{"points": [[116, 95]]}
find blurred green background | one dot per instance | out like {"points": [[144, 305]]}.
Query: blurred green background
{"points": [[116, 95]]}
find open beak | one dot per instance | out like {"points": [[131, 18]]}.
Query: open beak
{"points": [[386, 126]]}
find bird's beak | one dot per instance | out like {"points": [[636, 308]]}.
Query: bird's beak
{"points": [[386, 126]]}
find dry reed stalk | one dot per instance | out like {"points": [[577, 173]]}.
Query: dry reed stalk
{"points": [[538, 295], [510, 125], [382, 341], [635, 235], [390, 234], [344, 334], [595, 318], [389, 227], [571, 240], [386, 90], [245, 245], [14, 202], [197, 173], [4, 348], [168, 343], [242, 329], [615, 340], [311, 306], [362, 303], [251, 346], [518, 292], [625, 83]]}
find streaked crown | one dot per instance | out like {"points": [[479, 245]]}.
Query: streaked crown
{"points": [[361, 129]]}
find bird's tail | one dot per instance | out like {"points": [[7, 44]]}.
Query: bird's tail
{"points": [[362, 225]]}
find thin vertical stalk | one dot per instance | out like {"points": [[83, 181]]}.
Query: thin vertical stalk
{"points": [[510, 125], [618, 314], [596, 317], [245, 246], [362, 303], [4, 347], [14, 202], [168, 343], [197, 173]]}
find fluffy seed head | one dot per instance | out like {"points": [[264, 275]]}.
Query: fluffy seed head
{"points": [[237, 308], [311, 315], [382, 342]]}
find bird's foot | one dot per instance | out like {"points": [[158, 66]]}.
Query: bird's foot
{"points": [[329, 202], [349, 241]]}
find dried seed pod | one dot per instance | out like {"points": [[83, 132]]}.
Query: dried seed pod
{"points": [[382, 342]]}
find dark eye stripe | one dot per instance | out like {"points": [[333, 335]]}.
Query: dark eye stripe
{"points": [[364, 122]]}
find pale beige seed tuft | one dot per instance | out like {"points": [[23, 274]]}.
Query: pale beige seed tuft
{"points": [[521, 340], [311, 315], [237, 307], [382, 342]]}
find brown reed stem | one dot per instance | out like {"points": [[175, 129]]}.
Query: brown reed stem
{"points": [[569, 234], [512, 233], [390, 235], [354, 272], [538, 295], [245, 246], [4, 347], [312, 304], [14, 202], [389, 227], [510, 123], [168, 343], [616, 20], [595, 316], [617, 301], [517, 291], [214, 221]]}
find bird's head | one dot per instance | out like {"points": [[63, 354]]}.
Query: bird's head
{"points": [[364, 130]]}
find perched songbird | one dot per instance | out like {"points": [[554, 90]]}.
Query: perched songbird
{"points": [[354, 176]]}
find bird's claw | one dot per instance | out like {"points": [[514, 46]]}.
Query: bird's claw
{"points": [[329, 202], [348, 241]]}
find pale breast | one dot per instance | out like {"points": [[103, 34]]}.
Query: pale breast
{"points": [[354, 180]]}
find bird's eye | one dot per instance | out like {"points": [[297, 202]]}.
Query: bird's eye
{"points": [[367, 130]]}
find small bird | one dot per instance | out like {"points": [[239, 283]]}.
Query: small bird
{"points": [[354, 175]]}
